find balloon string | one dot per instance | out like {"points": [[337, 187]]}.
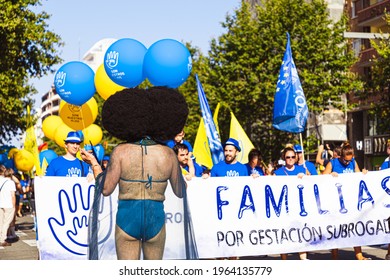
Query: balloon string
{"points": [[83, 122]]}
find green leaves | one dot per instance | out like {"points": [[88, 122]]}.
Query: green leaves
{"points": [[28, 50]]}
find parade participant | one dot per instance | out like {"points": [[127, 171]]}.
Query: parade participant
{"points": [[230, 167], [190, 167], [142, 167], [290, 169], [309, 166], [345, 164], [69, 165], [254, 164], [7, 203]]}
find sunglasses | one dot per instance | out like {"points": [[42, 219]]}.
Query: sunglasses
{"points": [[293, 157]]}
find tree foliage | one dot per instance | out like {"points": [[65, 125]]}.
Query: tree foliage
{"points": [[244, 65], [28, 50], [380, 82]]}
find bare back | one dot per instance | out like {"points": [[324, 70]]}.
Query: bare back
{"points": [[143, 171]]}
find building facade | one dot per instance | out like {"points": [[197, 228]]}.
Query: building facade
{"points": [[366, 23]]}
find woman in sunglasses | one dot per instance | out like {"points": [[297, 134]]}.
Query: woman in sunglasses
{"points": [[290, 168], [345, 164]]}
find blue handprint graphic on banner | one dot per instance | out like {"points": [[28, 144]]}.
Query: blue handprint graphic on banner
{"points": [[71, 228]]}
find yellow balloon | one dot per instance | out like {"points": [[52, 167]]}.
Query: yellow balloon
{"points": [[104, 85], [61, 134], [24, 160], [50, 124], [12, 152], [79, 117], [93, 133]]}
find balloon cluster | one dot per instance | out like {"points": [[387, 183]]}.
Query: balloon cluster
{"points": [[127, 63]]}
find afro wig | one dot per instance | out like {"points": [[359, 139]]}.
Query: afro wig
{"points": [[133, 114]]}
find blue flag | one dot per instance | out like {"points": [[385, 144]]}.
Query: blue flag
{"points": [[215, 145], [290, 108]]}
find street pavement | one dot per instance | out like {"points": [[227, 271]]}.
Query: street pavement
{"points": [[26, 247]]}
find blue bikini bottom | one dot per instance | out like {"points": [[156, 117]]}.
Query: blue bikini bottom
{"points": [[141, 219]]}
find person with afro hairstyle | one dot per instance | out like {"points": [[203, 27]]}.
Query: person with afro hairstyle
{"points": [[142, 166]]}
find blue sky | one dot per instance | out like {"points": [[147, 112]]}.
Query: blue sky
{"points": [[82, 23]]}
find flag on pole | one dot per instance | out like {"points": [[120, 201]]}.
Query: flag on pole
{"points": [[238, 133], [213, 138], [30, 144], [201, 145], [290, 108]]}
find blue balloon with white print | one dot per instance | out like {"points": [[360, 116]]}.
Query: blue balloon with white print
{"points": [[74, 82], [123, 62]]}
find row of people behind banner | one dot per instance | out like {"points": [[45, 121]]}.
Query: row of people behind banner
{"points": [[292, 164]]}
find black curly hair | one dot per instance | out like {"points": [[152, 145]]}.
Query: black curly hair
{"points": [[133, 114]]}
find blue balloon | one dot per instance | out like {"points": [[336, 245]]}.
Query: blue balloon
{"points": [[167, 63], [74, 82], [48, 155], [123, 62]]}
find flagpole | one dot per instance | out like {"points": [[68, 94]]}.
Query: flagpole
{"points": [[303, 153]]}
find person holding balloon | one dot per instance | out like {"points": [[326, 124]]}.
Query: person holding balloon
{"points": [[69, 165]]}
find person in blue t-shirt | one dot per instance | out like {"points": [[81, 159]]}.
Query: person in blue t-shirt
{"points": [[291, 168], [69, 165], [308, 165], [254, 164], [191, 167], [230, 167], [345, 164]]}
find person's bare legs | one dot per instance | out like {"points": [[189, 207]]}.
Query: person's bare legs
{"points": [[127, 247], [153, 249], [303, 255], [283, 256], [359, 254], [335, 254]]}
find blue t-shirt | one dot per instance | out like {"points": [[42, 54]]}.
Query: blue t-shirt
{"points": [[385, 164], [222, 169], [198, 169], [310, 167], [61, 166], [339, 167], [256, 170], [283, 171]]}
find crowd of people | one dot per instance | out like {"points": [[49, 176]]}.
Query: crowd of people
{"points": [[16, 189]]}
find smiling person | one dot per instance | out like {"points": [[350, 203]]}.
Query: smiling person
{"points": [[291, 168], [230, 167], [69, 165], [345, 164]]}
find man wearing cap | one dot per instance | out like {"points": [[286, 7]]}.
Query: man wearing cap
{"points": [[308, 165], [69, 165], [230, 167]]}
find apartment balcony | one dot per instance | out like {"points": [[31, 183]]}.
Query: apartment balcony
{"points": [[373, 15]]}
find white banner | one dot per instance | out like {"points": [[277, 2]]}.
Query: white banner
{"points": [[231, 216], [63, 205], [243, 216]]}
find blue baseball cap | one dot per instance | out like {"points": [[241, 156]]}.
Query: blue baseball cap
{"points": [[106, 157], [73, 137], [233, 142], [298, 148]]}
